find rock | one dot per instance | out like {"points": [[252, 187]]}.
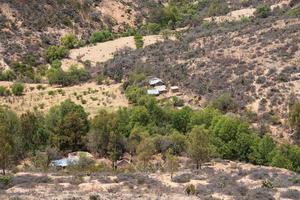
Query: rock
{"points": [[183, 178]]}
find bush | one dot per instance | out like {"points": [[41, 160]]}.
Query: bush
{"points": [[5, 181], [216, 8], [101, 36], [224, 103], [263, 11], [70, 41], [4, 91], [190, 190], [134, 93], [56, 53], [17, 89], [139, 42], [295, 12]]}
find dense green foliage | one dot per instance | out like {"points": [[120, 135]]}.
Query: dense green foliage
{"points": [[67, 125], [56, 53], [263, 11], [73, 76], [146, 128], [17, 89], [101, 36], [139, 42], [295, 12], [70, 41]]}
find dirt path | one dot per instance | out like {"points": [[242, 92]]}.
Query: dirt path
{"points": [[102, 52]]}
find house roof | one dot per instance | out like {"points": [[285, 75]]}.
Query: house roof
{"points": [[65, 161], [153, 92], [174, 87], [161, 88], [154, 81]]}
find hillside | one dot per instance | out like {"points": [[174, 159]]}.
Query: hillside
{"points": [[150, 99], [219, 180], [28, 28], [256, 62]]}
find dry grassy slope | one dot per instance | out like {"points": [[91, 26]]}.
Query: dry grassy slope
{"points": [[220, 180], [27, 27], [258, 63], [91, 96]]}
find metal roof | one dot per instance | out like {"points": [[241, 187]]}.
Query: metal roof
{"points": [[153, 92], [161, 88], [154, 81]]}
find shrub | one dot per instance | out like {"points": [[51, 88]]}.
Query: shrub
{"points": [[17, 89], [4, 91], [295, 12], [224, 103], [70, 41], [190, 190], [101, 36], [56, 53], [139, 42], [5, 181], [153, 28], [134, 93], [216, 8], [7, 75], [267, 184], [263, 11]]}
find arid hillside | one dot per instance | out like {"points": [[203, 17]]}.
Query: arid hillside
{"points": [[256, 62], [28, 27], [218, 180]]}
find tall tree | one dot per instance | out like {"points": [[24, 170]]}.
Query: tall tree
{"points": [[9, 137], [172, 163], [199, 146], [68, 125], [145, 150]]}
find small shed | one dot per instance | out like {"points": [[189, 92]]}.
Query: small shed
{"points": [[161, 88], [174, 89], [156, 82], [154, 92]]}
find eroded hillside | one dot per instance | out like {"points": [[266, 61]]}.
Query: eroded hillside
{"points": [[28, 27], [257, 63]]}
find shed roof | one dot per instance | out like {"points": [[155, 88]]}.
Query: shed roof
{"points": [[161, 88], [153, 92], [154, 81]]}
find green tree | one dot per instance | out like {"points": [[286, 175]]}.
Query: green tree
{"points": [[139, 41], [232, 137], [181, 119], [17, 89], [172, 164], [56, 53], [262, 151], [70, 41], [103, 126], [204, 117], [145, 150], [134, 93], [68, 125], [224, 103], [199, 145], [280, 160], [9, 137], [139, 116], [263, 11], [101, 36], [34, 136]]}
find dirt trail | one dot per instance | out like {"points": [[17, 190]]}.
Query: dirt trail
{"points": [[246, 12], [102, 52]]}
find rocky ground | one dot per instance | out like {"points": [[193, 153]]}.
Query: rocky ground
{"points": [[217, 180]]}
